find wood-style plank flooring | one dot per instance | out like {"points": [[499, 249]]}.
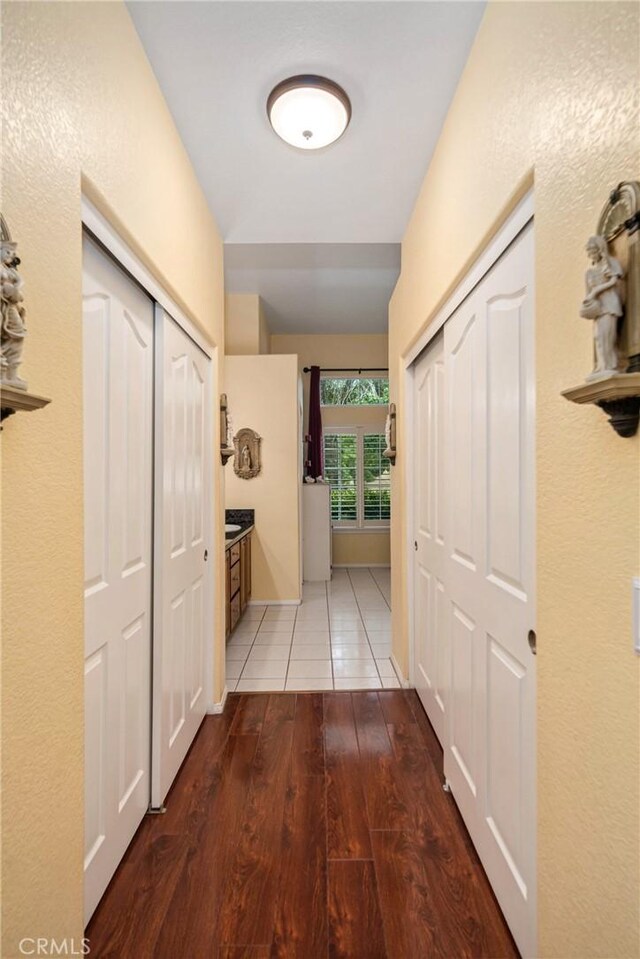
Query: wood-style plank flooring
{"points": [[307, 826]]}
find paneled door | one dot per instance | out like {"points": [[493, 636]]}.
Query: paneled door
{"points": [[184, 442], [430, 668], [490, 577], [118, 490]]}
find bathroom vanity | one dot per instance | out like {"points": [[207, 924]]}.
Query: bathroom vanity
{"points": [[238, 530]]}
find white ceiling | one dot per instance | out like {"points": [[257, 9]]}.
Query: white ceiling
{"points": [[399, 61]]}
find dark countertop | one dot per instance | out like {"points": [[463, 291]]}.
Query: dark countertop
{"points": [[232, 538]]}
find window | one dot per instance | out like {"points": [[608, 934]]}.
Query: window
{"points": [[358, 391], [376, 498], [359, 477], [341, 471]]}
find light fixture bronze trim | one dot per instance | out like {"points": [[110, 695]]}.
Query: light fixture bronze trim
{"points": [[310, 80]]}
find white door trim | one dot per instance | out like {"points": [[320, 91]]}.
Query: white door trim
{"points": [[505, 236], [104, 232], [514, 224]]}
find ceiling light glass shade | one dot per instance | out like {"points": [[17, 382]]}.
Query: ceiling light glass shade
{"points": [[309, 112]]}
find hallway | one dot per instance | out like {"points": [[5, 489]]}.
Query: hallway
{"points": [[307, 825], [296, 295]]}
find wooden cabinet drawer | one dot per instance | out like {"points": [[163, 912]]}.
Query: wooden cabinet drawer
{"points": [[234, 553], [235, 610], [235, 579]]}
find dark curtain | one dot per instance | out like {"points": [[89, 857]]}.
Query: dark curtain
{"points": [[315, 457]]}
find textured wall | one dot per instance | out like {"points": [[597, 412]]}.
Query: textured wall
{"points": [[550, 94], [82, 109]]}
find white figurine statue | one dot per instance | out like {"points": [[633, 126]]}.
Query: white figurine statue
{"points": [[603, 305], [13, 329]]}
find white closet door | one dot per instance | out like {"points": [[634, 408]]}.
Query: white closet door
{"points": [[183, 491], [490, 575], [118, 424], [431, 662]]}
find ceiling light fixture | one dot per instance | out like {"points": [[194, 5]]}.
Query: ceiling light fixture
{"points": [[309, 112]]}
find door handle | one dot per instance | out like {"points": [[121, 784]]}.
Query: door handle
{"points": [[415, 545], [206, 555], [533, 641]]}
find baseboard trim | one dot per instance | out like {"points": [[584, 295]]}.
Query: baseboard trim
{"points": [[361, 565], [403, 681], [274, 602], [218, 708]]}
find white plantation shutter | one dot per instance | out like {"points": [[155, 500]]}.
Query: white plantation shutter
{"points": [[359, 477]]}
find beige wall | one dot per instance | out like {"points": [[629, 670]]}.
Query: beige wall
{"points": [[263, 395], [264, 333], [246, 328], [550, 95], [344, 350], [363, 548], [83, 111]]}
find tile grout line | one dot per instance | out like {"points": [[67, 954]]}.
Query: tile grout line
{"points": [[326, 597], [264, 613], [389, 608], [366, 631], [370, 571], [293, 632], [379, 589]]}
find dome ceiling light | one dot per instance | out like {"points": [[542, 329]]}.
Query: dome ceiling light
{"points": [[309, 112]]}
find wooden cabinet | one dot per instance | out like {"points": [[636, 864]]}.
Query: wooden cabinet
{"points": [[228, 590], [245, 572], [238, 577]]}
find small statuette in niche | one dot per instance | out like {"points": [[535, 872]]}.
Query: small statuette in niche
{"points": [[603, 304], [247, 461]]}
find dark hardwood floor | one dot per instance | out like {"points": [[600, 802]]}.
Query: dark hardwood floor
{"points": [[308, 825]]}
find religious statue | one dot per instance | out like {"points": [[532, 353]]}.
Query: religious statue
{"points": [[603, 305], [12, 329], [247, 461]]}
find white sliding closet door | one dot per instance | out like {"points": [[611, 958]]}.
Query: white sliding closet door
{"points": [[431, 668], [490, 577], [474, 569], [182, 596], [118, 431]]}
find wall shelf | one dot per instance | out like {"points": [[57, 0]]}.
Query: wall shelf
{"points": [[618, 395], [13, 401]]}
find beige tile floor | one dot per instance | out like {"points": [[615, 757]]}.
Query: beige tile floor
{"points": [[338, 638]]}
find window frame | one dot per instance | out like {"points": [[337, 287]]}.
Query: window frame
{"points": [[353, 406], [360, 524]]}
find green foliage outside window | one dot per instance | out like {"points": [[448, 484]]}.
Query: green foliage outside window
{"points": [[337, 391], [341, 467]]}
